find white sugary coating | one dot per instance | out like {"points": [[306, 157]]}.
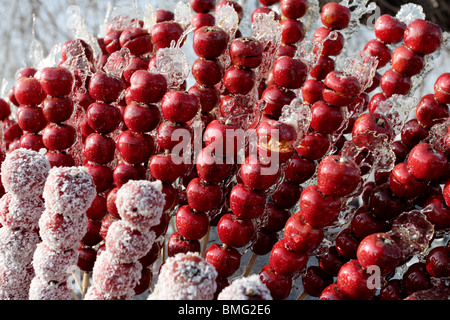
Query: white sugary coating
{"points": [[114, 278], [50, 265], [69, 191], [185, 276], [141, 203], [18, 245], [61, 233], [250, 288], [94, 293], [24, 172], [128, 245], [21, 213], [15, 280], [49, 291]]}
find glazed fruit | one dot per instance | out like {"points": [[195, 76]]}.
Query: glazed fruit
{"points": [[338, 176]]}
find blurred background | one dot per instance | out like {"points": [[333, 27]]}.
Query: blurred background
{"points": [[49, 25]]}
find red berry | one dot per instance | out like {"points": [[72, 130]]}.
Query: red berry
{"points": [[179, 106], [442, 88], [163, 33], [426, 164], [379, 250], [338, 176], [289, 73], [318, 209], [423, 37], [301, 236], [280, 286], [31, 119], [191, 224], [335, 16], [29, 92], [56, 82], [389, 29], [293, 9], [58, 137], [163, 167], [246, 203], [103, 118], [226, 261], [105, 88], [147, 87], [352, 282], [234, 232], [210, 42], [438, 262], [286, 262], [57, 110], [135, 148], [203, 196], [141, 118]]}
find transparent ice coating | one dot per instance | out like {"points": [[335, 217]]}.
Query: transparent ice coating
{"points": [[117, 62], [173, 64], [52, 59], [309, 52], [77, 63], [412, 232], [397, 110], [149, 16], [298, 115], [358, 9], [376, 153], [183, 14], [418, 80], [79, 29], [36, 52], [228, 19], [242, 110], [437, 134], [409, 12], [267, 30], [124, 15], [311, 18], [362, 66]]}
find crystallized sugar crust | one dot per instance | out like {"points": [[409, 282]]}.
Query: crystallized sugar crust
{"points": [[18, 245], [127, 245], [21, 213], [15, 280], [43, 290], [114, 278], [186, 277], [94, 293], [249, 288], [24, 173], [62, 233], [52, 265], [69, 191], [141, 203]]}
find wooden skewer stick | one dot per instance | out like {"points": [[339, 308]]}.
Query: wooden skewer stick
{"points": [[251, 262], [205, 241], [77, 281], [302, 296], [86, 284], [75, 295]]}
